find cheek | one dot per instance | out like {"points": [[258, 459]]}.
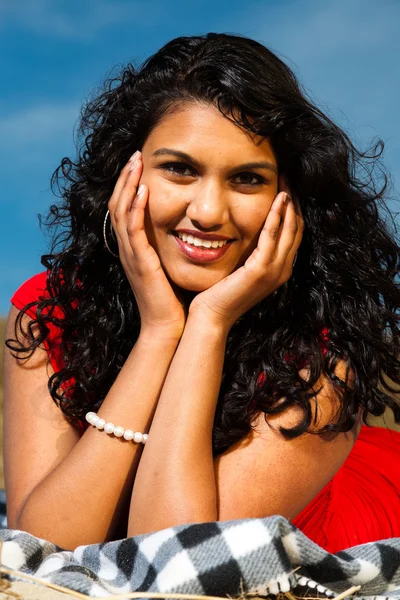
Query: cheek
{"points": [[165, 205], [252, 221], [251, 224]]}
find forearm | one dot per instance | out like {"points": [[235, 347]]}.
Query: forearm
{"points": [[175, 482], [81, 500]]}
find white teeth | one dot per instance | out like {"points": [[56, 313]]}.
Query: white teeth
{"points": [[190, 239]]}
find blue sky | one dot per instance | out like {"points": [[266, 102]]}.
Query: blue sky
{"points": [[54, 53]]}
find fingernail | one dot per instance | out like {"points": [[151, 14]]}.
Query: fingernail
{"points": [[281, 199], [140, 190], [134, 156]]}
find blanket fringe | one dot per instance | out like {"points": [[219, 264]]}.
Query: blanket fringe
{"points": [[243, 596], [281, 596]]}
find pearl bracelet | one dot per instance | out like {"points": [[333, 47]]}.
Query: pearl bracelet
{"points": [[117, 430]]}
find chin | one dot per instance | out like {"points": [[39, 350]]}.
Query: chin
{"points": [[194, 286], [198, 282]]}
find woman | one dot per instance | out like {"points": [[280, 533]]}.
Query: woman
{"points": [[173, 310]]}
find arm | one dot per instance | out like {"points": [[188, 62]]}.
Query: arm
{"points": [[73, 490], [175, 480], [63, 487], [178, 481]]}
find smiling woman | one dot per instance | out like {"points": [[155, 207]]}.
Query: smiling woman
{"points": [[208, 192], [177, 334]]}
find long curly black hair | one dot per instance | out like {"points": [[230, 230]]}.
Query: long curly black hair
{"points": [[344, 278]]}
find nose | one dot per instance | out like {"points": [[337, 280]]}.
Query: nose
{"points": [[208, 207]]}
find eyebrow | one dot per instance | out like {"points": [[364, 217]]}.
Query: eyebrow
{"points": [[179, 154]]}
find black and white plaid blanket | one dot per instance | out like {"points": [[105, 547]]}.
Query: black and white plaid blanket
{"points": [[216, 558]]}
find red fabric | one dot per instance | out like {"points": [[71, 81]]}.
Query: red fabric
{"points": [[28, 292], [360, 504]]}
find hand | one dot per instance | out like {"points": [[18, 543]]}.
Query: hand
{"points": [[159, 307], [267, 268]]}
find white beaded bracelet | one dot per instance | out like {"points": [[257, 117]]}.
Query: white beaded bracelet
{"points": [[128, 434]]}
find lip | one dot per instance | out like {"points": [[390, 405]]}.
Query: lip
{"points": [[200, 254], [204, 236]]}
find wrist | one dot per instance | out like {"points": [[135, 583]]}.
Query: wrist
{"points": [[156, 335], [207, 324]]}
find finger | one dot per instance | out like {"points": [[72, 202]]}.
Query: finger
{"points": [[122, 179], [290, 236], [136, 222], [283, 185], [285, 246], [270, 232], [119, 215], [128, 191], [301, 222], [297, 206]]}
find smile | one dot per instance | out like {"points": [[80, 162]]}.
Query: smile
{"points": [[195, 241], [202, 250]]}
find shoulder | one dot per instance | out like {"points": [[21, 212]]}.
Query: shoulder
{"points": [[25, 299], [325, 406], [30, 291], [310, 460]]}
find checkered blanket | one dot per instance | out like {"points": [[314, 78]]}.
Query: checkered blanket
{"points": [[222, 558]]}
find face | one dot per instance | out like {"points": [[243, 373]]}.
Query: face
{"points": [[194, 164]]}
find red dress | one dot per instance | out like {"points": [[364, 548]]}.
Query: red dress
{"points": [[360, 504]]}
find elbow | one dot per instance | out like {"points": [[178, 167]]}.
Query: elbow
{"points": [[14, 516], [18, 518], [24, 521], [64, 535]]}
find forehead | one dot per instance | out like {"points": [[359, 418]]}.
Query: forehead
{"points": [[195, 128]]}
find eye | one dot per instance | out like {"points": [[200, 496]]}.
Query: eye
{"points": [[177, 168], [249, 176], [181, 169]]}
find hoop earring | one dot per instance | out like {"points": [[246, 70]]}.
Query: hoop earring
{"points": [[105, 234]]}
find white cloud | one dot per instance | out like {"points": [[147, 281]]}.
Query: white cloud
{"points": [[315, 30], [77, 20], [345, 52], [38, 123], [36, 139]]}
